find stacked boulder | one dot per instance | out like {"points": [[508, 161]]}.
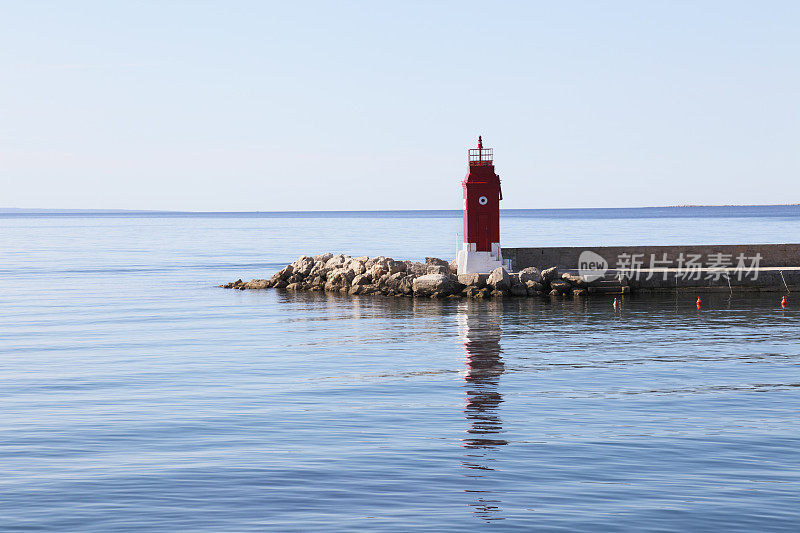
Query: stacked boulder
{"points": [[435, 278]]}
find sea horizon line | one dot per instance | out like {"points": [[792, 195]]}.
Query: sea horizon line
{"points": [[46, 210]]}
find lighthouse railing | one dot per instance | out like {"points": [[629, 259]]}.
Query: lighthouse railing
{"points": [[481, 156]]}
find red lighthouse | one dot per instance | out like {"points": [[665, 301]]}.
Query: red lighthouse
{"points": [[482, 195]]}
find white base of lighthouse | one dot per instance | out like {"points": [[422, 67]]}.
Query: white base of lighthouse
{"points": [[470, 261]]}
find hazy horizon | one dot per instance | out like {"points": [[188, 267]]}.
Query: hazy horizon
{"points": [[102, 210]]}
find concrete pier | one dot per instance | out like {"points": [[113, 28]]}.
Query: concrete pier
{"points": [[751, 267]]}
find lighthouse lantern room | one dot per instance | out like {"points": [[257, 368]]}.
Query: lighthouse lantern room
{"points": [[481, 249]]}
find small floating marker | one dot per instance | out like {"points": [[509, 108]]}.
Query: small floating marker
{"points": [[784, 303], [616, 305], [699, 303]]}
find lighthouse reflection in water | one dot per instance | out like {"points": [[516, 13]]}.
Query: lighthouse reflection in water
{"points": [[480, 334]]}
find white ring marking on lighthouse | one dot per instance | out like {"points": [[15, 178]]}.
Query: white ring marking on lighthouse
{"points": [[483, 200]]}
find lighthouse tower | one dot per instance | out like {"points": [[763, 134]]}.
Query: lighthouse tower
{"points": [[482, 195]]}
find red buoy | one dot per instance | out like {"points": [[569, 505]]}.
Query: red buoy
{"points": [[699, 302], [616, 305], [784, 303]]}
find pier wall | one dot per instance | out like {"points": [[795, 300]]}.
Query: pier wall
{"points": [[745, 266], [566, 258]]}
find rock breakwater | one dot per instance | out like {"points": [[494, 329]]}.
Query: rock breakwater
{"points": [[435, 278]]}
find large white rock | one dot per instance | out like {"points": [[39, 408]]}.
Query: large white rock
{"points": [[435, 283], [473, 279], [499, 279], [530, 274]]}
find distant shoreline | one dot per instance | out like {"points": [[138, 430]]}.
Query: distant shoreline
{"points": [[599, 213], [55, 211]]}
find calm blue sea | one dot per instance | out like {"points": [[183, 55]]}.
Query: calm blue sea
{"points": [[135, 395]]}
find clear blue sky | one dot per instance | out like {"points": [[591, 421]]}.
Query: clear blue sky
{"points": [[198, 105]]}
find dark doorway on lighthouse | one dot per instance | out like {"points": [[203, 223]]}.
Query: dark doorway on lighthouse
{"points": [[484, 242]]}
